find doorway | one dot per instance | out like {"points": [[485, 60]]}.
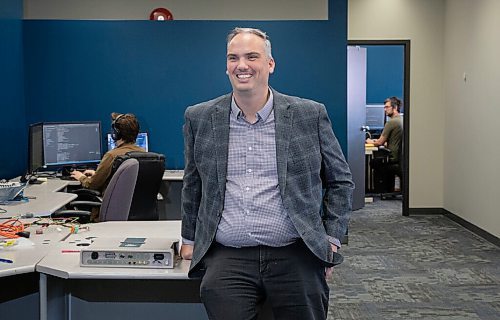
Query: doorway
{"points": [[405, 45]]}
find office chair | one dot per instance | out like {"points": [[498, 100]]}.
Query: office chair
{"points": [[117, 199], [386, 171], [118, 195], [151, 168]]}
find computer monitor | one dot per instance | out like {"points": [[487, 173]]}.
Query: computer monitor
{"points": [[35, 147], [141, 141], [375, 116], [71, 143]]}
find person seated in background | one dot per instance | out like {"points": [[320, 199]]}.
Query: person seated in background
{"points": [[391, 137], [125, 129]]}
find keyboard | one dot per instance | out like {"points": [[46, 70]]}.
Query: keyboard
{"points": [[70, 178]]}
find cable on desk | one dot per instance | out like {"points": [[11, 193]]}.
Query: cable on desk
{"points": [[2, 210], [70, 223], [11, 228]]}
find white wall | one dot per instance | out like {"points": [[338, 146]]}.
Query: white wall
{"points": [[454, 158], [180, 9], [472, 124], [420, 21]]}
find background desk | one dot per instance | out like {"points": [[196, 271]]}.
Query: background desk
{"points": [[369, 183], [44, 199], [171, 189], [68, 291], [48, 199]]}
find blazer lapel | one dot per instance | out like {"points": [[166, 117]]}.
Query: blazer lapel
{"points": [[283, 117], [220, 128]]}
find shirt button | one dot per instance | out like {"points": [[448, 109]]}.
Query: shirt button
{"points": [[247, 188], [250, 148], [249, 170]]}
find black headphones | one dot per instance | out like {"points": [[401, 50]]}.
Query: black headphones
{"points": [[116, 135]]}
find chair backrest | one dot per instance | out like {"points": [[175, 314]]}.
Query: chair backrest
{"points": [[117, 198], [151, 168]]}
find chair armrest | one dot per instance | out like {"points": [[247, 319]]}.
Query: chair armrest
{"points": [[83, 216], [84, 203], [70, 213], [86, 192]]}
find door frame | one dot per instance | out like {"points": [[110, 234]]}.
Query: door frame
{"points": [[406, 104]]}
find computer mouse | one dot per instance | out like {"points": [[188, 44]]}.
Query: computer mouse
{"points": [[34, 180]]}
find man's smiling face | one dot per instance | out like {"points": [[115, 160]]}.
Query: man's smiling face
{"points": [[248, 65]]}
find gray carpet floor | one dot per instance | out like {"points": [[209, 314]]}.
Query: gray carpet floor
{"points": [[417, 267]]}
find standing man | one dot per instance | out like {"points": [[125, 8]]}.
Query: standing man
{"points": [[392, 137], [266, 196]]}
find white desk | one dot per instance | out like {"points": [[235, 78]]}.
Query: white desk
{"points": [[173, 175], [369, 150], [369, 183], [26, 255], [48, 199], [68, 291], [19, 284], [44, 199], [67, 265]]}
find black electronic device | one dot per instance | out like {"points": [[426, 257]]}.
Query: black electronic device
{"points": [[71, 143], [115, 127], [35, 148], [58, 144], [34, 180]]}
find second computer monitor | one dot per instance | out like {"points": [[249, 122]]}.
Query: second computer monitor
{"points": [[71, 143], [141, 141], [35, 147]]}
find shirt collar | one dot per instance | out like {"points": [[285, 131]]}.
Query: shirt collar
{"points": [[261, 114]]}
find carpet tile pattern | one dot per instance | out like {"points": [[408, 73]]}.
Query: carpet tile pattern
{"points": [[417, 267]]}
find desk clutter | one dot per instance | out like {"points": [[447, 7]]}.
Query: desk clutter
{"points": [[95, 251], [50, 263], [16, 228]]}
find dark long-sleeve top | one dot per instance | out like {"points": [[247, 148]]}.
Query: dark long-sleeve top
{"points": [[100, 180]]}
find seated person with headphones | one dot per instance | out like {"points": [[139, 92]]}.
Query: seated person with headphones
{"points": [[125, 129]]}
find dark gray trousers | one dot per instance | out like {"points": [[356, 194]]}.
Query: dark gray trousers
{"points": [[239, 280]]}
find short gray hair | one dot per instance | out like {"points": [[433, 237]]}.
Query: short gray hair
{"points": [[259, 33]]}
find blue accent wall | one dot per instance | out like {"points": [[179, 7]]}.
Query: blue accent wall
{"points": [[11, 9], [13, 158], [84, 70], [385, 72]]}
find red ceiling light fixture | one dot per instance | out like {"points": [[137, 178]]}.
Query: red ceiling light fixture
{"points": [[161, 14]]}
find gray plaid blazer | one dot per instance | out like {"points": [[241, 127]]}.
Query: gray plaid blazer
{"points": [[314, 178]]}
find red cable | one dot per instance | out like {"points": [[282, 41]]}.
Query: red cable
{"points": [[9, 228]]}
